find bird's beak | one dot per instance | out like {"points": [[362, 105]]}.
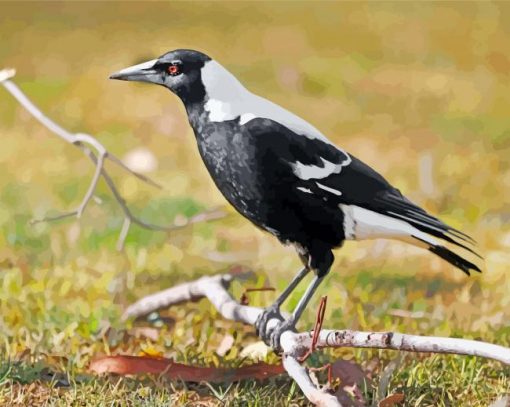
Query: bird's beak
{"points": [[143, 72]]}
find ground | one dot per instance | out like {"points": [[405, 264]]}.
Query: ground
{"points": [[404, 87]]}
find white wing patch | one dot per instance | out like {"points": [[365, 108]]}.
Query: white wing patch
{"points": [[306, 190], [328, 189], [306, 172], [361, 224], [228, 99]]}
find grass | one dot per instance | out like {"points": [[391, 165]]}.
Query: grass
{"points": [[394, 82]]}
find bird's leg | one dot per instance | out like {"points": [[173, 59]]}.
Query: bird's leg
{"points": [[273, 311], [320, 259], [289, 324]]}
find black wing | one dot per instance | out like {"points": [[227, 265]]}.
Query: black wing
{"points": [[341, 178]]}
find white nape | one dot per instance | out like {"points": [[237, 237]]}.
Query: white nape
{"points": [[228, 99]]}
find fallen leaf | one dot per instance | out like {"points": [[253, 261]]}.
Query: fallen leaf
{"points": [[131, 365], [225, 345], [391, 400], [255, 351], [349, 373], [352, 380]]}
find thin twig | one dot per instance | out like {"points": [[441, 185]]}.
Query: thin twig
{"points": [[317, 329], [244, 296], [93, 184]]}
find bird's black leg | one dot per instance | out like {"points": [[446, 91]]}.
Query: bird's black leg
{"points": [[320, 262], [273, 311], [289, 324]]}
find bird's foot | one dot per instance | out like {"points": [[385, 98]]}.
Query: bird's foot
{"points": [[271, 312], [276, 333]]}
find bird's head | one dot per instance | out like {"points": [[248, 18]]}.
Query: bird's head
{"points": [[179, 70]]}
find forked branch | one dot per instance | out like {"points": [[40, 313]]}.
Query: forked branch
{"points": [[296, 346]]}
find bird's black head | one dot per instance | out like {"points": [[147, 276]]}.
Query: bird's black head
{"points": [[177, 70]]}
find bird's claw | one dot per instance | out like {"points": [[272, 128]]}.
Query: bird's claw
{"points": [[272, 336], [271, 312], [276, 333]]}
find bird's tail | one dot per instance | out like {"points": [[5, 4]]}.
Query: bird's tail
{"points": [[411, 225], [446, 254], [427, 227]]}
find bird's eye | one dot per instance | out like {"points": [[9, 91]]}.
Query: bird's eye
{"points": [[174, 69]]}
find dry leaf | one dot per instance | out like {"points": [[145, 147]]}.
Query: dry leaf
{"points": [[392, 400], [130, 365], [352, 379], [225, 345], [349, 373]]}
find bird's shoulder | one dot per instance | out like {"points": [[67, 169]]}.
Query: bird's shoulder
{"points": [[291, 146], [317, 166]]}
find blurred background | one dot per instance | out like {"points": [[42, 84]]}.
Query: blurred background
{"points": [[420, 91]]}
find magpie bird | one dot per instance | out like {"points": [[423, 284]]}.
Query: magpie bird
{"points": [[287, 178]]}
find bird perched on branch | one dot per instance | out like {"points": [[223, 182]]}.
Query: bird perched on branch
{"points": [[287, 178]]}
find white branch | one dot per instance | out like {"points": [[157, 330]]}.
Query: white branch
{"points": [[295, 345], [97, 153]]}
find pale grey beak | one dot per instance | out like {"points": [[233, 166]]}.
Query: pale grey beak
{"points": [[143, 72]]}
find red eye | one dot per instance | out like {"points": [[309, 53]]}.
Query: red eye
{"points": [[174, 70]]}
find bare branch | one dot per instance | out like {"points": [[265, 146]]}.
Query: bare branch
{"points": [[93, 184], [97, 154], [296, 345]]}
